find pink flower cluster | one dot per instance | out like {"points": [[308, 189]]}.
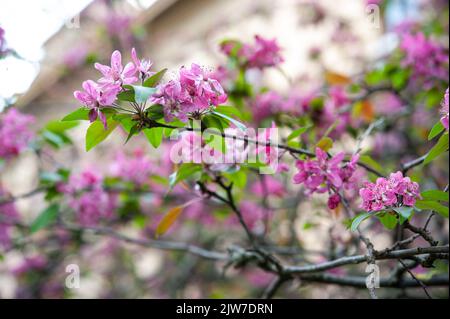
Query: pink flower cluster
{"points": [[32, 263], [103, 93], [427, 59], [444, 111], [262, 54], [15, 132], [394, 191], [191, 94], [325, 174], [88, 198], [8, 215], [136, 169]]}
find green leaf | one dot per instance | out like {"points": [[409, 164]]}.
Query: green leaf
{"points": [[436, 130], [388, 220], [238, 178], [298, 132], [154, 136], [155, 112], [184, 171], [133, 131], [211, 121], [126, 96], [228, 111], [238, 124], [404, 212], [96, 133], [369, 161], [435, 195], [60, 127], [400, 78], [82, 114], [440, 148], [47, 217], [154, 80], [358, 220], [55, 139], [434, 206], [142, 93], [125, 120]]}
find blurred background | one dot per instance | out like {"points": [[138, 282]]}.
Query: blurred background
{"points": [[56, 44]]}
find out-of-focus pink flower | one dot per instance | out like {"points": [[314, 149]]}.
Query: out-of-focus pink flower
{"points": [[392, 192], [200, 213], [444, 111], [142, 66], [266, 105], [88, 199], [270, 186], [96, 97], [262, 54], [225, 76], [259, 278], [117, 74], [136, 169], [8, 215], [387, 104], [75, 57], [190, 95], [32, 263], [388, 142], [254, 216], [325, 174], [372, 2], [333, 111], [427, 59], [15, 132]]}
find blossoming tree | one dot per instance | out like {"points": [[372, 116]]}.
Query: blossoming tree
{"points": [[217, 173]]}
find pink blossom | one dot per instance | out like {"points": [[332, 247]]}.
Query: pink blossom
{"points": [[32, 263], [392, 192], [204, 90], [333, 111], [269, 186], [426, 58], [388, 104], [444, 111], [8, 215], [192, 94], [253, 214], [15, 132], [88, 199], [200, 213], [75, 57], [97, 97], [325, 174], [267, 105], [264, 53], [136, 169], [117, 74], [259, 278], [374, 2], [142, 66]]}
